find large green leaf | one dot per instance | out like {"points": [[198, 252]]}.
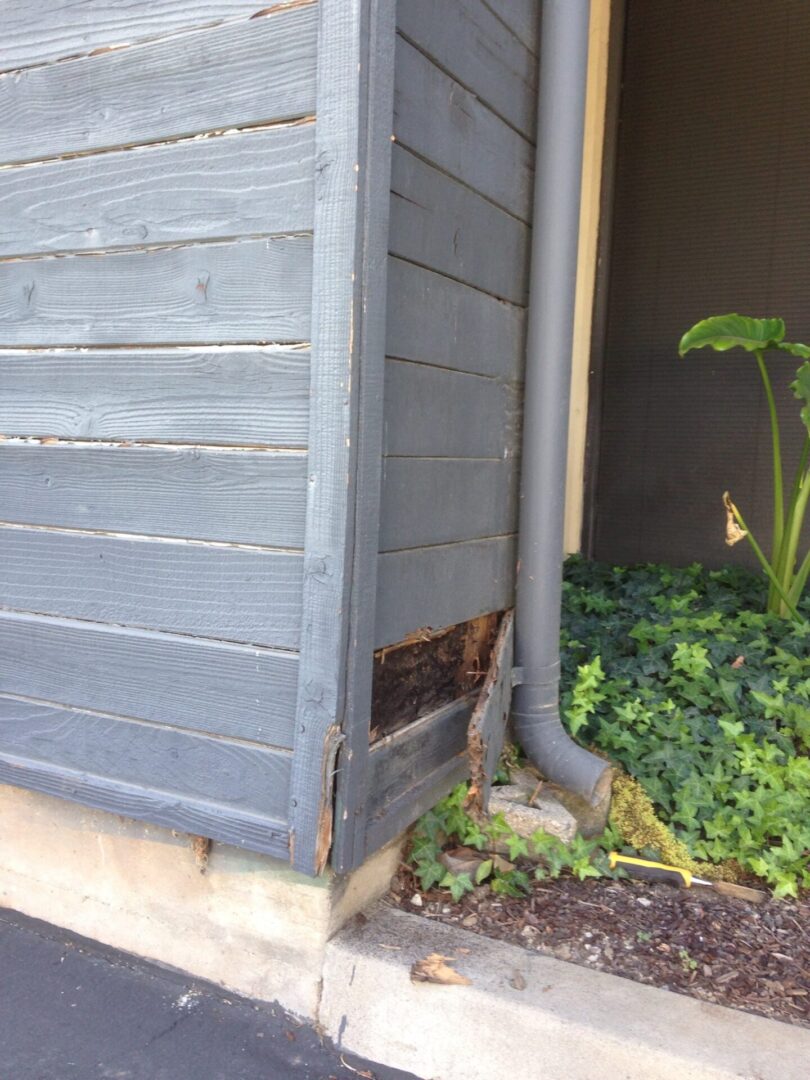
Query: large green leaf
{"points": [[801, 388], [795, 349], [722, 332]]}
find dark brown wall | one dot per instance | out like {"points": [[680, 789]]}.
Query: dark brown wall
{"points": [[712, 215]]}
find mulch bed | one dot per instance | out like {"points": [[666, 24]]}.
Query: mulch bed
{"points": [[750, 957]]}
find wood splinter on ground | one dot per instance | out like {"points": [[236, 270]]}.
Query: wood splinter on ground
{"points": [[435, 968], [201, 849]]}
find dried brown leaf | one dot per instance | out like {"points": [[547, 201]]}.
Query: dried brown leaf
{"points": [[435, 968]]}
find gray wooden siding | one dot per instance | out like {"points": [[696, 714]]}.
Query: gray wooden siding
{"points": [[461, 188], [157, 180]]}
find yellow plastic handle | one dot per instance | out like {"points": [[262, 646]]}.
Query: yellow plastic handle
{"points": [[651, 871]]}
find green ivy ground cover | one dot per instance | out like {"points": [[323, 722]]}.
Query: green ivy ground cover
{"points": [[677, 675]]}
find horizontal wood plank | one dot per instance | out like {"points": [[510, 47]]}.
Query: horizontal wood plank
{"points": [[53, 29], [256, 497], [523, 18], [233, 690], [441, 586], [447, 125], [237, 395], [438, 321], [254, 71], [182, 763], [198, 189], [445, 226], [215, 592], [435, 412], [412, 769], [476, 48], [443, 500], [253, 291]]}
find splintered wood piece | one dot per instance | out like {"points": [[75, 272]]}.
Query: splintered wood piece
{"points": [[435, 968]]}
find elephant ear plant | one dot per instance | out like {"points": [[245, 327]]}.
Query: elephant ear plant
{"points": [[787, 579]]}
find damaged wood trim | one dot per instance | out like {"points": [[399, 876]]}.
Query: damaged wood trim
{"points": [[412, 769], [354, 107], [488, 722]]}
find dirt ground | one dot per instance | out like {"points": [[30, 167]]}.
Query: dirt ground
{"points": [[750, 957]]}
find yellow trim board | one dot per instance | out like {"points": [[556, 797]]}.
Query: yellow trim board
{"points": [[595, 104]]}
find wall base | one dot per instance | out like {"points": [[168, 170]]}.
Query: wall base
{"points": [[248, 922]]}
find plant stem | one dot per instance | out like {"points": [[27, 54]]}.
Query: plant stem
{"points": [[778, 495], [775, 582], [785, 559], [791, 537]]}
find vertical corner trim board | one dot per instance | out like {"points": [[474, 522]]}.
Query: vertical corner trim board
{"points": [[348, 310]]}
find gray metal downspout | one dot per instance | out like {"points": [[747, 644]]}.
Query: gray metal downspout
{"points": [[560, 127]]}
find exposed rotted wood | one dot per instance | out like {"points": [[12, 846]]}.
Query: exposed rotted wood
{"points": [[234, 690], [210, 591], [249, 497], [197, 189], [253, 71], [442, 585], [448, 126], [427, 672], [250, 291], [487, 729], [241, 395]]}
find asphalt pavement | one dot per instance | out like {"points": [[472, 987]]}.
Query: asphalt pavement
{"points": [[71, 1009]]}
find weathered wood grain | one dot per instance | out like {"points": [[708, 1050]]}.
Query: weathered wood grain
{"points": [[477, 49], [447, 125], [254, 71], [443, 500], [239, 395], [443, 225], [198, 189], [354, 108], [412, 769], [250, 291], [243, 497], [441, 586], [181, 763], [438, 321], [233, 690], [487, 728], [523, 18], [194, 816], [52, 29], [214, 592], [435, 412]]}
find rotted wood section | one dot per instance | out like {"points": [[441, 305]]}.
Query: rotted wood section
{"points": [[414, 764]]}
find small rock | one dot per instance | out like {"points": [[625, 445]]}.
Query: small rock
{"points": [[546, 814], [512, 792], [517, 981], [644, 901], [416, 900]]}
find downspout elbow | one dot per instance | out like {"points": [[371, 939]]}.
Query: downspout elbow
{"points": [[539, 730]]}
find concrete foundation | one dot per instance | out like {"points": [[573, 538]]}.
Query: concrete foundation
{"points": [[248, 922]]}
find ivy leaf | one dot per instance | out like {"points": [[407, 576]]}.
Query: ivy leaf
{"points": [[483, 871], [723, 332]]}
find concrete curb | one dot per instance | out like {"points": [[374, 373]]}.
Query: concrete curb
{"points": [[567, 1022]]}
